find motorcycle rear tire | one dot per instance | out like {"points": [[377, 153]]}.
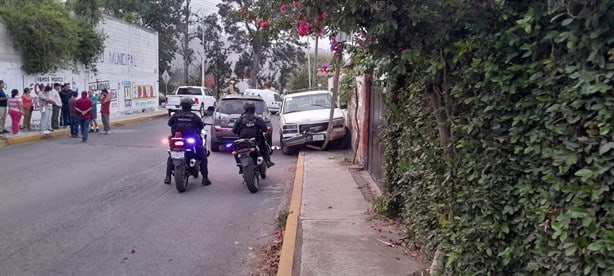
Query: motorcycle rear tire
{"points": [[181, 178], [251, 179]]}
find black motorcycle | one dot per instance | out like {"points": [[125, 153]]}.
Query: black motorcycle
{"points": [[183, 155], [253, 164]]}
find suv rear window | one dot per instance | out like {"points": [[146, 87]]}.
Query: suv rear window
{"points": [[235, 106], [188, 91]]}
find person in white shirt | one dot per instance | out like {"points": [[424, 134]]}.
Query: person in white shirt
{"points": [[57, 106], [46, 104]]}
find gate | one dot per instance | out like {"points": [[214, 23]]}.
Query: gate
{"points": [[375, 158]]}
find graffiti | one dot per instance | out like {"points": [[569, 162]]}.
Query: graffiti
{"points": [[127, 87], [143, 91], [145, 103], [49, 79], [99, 85], [117, 58]]}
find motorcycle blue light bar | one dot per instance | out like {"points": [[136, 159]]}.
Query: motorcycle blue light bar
{"points": [[191, 140]]}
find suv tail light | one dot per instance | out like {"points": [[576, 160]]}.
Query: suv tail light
{"points": [[195, 100]]}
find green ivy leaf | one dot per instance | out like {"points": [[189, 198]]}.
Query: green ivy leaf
{"points": [[578, 213], [606, 147], [585, 174], [566, 21], [596, 246]]}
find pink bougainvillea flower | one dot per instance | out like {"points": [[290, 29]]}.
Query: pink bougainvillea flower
{"points": [[295, 5], [282, 9], [324, 15], [264, 25], [324, 68], [303, 28]]}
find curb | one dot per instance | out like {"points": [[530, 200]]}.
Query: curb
{"points": [[65, 132], [288, 248]]}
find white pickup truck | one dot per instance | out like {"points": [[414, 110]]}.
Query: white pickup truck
{"points": [[204, 102]]}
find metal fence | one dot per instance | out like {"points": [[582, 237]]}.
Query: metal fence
{"points": [[375, 159]]}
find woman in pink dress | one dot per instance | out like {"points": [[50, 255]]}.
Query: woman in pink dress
{"points": [[15, 110]]}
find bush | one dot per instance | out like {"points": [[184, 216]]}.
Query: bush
{"points": [[527, 97], [48, 37]]}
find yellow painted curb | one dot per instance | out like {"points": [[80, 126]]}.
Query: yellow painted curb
{"points": [[286, 259], [139, 119]]}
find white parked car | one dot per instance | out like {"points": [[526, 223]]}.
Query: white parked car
{"points": [[303, 120], [204, 102]]}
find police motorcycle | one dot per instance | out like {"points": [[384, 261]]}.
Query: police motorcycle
{"points": [[251, 161], [182, 152]]}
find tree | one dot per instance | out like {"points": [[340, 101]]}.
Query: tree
{"points": [[48, 37], [284, 62], [216, 54], [253, 35]]}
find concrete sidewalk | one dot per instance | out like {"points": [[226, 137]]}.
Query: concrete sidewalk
{"points": [[337, 234], [32, 136]]}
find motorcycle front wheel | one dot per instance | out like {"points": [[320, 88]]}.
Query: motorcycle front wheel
{"points": [[181, 178], [251, 179]]}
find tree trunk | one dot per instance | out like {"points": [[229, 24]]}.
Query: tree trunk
{"points": [[315, 63], [438, 104], [333, 103]]}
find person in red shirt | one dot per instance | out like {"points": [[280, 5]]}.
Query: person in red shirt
{"points": [[83, 106], [105, 110], [28, 104]]}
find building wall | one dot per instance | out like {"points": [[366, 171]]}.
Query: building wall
{"points": [[128, 68]]}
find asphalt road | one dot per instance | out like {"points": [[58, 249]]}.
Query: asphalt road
{"points": [[68, 208]]}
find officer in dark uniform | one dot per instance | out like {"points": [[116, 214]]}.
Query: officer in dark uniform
{"points": [[188, 123], [252, 126]]}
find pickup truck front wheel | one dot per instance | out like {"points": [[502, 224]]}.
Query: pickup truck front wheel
{"points": [[286, 150]]}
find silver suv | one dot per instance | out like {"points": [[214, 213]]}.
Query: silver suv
{"points": [[227, 113]]}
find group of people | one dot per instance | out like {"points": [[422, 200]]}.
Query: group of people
{"points": [[59, 106]]}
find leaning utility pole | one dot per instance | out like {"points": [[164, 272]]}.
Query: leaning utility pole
{"points": [[186, 43]]}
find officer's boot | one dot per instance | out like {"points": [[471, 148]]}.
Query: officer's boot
{"points": [[205, 173], [169, 169]]}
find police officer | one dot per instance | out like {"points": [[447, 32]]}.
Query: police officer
{"points": [[252, 126], [188, 123]]}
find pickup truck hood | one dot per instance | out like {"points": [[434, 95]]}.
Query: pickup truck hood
{"points": [[310, 117]]}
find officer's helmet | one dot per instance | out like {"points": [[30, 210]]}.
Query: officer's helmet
{"points": [[249, 107]]}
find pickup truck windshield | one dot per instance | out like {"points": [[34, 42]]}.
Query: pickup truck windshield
{"points": [[307, 102], [189, 91]]}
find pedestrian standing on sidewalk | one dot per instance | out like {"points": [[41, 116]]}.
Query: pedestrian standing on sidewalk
{"points": [[65, 95], [46, 106], [15, 110], [105, 110], [84, 109], [57, 106], [94, 99], [28, 106], [3, 103], [74, 115]]}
